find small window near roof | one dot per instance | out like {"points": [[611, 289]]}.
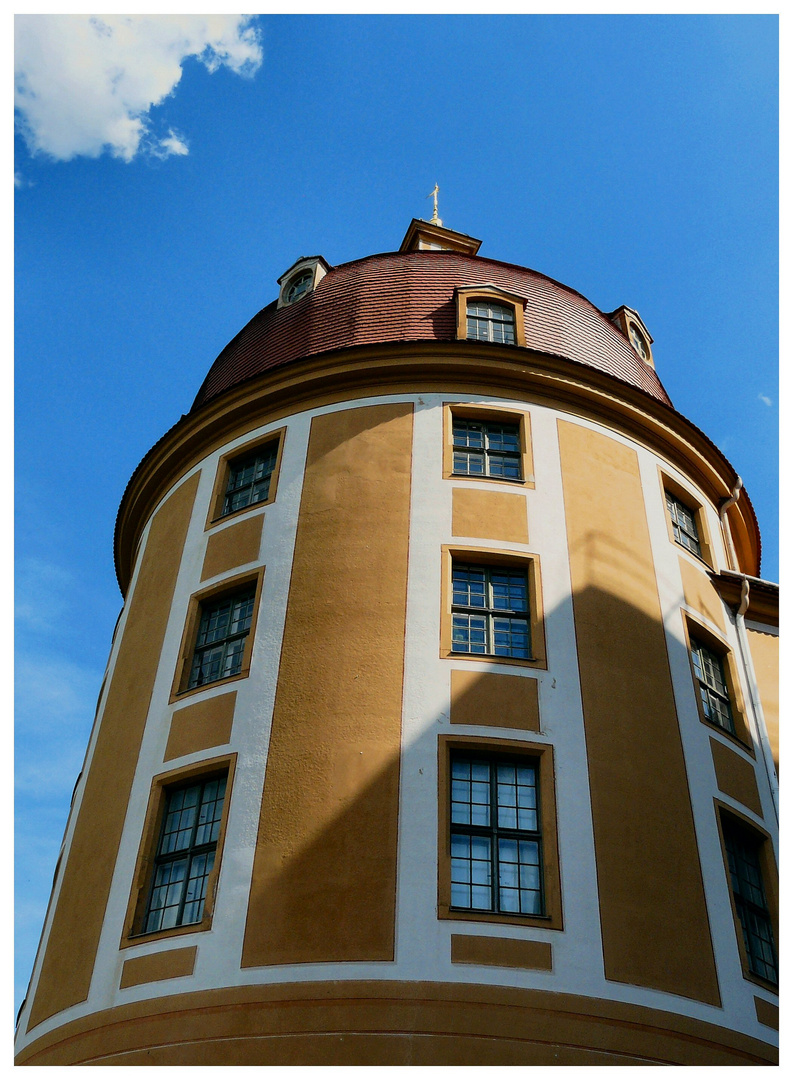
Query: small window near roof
{"points": [[299, 286], [249, 479], [684, 524], [713, 691], [638, 341], [222, 634], [486, 449], [490, 322]]}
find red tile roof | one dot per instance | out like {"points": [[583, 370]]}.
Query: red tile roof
{"points": [[409, 296]]}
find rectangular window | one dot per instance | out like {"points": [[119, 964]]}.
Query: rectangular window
{"points": [[713, 691], [496, 856], [486, 449], [249, 479], [749, 898], [487, 321], [490, 611], [684, 524], [222, 635], [185, 854]]}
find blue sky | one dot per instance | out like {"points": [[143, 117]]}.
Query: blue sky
{"points": [[631, 157]]}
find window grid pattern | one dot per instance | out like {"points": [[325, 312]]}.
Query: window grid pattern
{"points": [[299, 286], [486, 449], [220, 643], [490, 611], [684, 524], [495, 837], [185, 855], [750, 903], [249, 479], [490, 322], [713, 692]]}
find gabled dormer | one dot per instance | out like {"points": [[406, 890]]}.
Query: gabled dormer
{"points": [[301, 278]]}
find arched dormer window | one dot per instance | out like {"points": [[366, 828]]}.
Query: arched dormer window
{"points": [[486, 321], [630, 323], [488, 313], [300, 279], [300, 285]]}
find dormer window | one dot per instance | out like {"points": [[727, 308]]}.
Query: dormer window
{"points": [[630, 323], [300, 279], [638, 341], [489, 313], [490, 322], [298, 286]]}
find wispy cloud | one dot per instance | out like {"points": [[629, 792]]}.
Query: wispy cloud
{"points": [[86, 83], [54, 696], [765, 399], [41, 594]]}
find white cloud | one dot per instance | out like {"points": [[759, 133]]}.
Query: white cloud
{"points": [[171, 144], [765, 399], [86, 83]]}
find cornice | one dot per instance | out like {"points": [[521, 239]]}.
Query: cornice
{"points": [[416, 367], [763, 596]]}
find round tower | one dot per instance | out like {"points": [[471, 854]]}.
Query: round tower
{"points": [[438, 725]]}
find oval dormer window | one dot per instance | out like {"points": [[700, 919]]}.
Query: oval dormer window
{"points": [[638, 342], [298, 286]]}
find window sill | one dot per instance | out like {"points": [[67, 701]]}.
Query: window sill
{"points": [[736, 740], [698, 560], [513, 482], [547, 922], [163, 935], [179, 695], [213, 524], [487, 658], [758, 980]]}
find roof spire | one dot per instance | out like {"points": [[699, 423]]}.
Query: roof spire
{"points": [[434, 220]]}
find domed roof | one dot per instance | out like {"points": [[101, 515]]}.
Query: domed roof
{"points": [[409, 296]]}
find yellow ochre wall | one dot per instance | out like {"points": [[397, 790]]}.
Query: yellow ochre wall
{"points": [[645, 844], [765, 658], [324, 873], [80, 910], [390, 1023]]}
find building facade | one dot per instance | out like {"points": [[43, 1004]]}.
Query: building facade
{"points": [[439, 724]]}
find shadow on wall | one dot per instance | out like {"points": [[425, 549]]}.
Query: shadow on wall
{"points": [[324, 879]]}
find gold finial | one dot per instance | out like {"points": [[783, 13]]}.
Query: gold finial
{"points": [[434, 220]]}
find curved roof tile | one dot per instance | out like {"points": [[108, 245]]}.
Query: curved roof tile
{"points": [[409, 296]]}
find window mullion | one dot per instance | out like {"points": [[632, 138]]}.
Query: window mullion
{"points": [[495, 892], [189, 854], [489, 613]]}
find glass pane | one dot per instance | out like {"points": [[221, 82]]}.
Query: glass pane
{"points": [[468, 433], [468, 586], [166, 895], [501, 465], [511, 637], [211, 812], [471, 871], [469, 633], [510, 591], [469, 462], [470, 793], [179, 820]]}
